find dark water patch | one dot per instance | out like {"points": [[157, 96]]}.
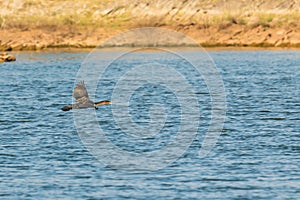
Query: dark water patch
{"points": [[274, 118]]}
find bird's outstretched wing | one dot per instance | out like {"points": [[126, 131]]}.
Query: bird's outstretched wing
{"points": [[80, 91], [82, 98]]}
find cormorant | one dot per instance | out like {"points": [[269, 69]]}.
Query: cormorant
{"points": [[82, 98]]}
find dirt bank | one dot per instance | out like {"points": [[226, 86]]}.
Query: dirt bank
{"points": [[40, 24], [234, 36]]}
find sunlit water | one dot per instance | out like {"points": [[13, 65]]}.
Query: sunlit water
{"points": [[257, 155]]}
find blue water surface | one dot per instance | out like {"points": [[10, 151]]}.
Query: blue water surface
{"points": [[257, 155]]}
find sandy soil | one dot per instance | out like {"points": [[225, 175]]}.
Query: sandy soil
{"points": [[231, 36]]}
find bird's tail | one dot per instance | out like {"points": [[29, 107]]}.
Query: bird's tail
{"points": [[101, 103], [67, 108]]}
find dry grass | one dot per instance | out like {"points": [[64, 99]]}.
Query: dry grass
{"points": [[24, 14]]}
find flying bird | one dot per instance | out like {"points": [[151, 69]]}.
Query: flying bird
{"points": [[82, 98]]}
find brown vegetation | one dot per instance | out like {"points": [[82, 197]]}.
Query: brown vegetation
{"points": [[38, 24]]}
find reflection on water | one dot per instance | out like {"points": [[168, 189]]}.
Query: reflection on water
{"points": [[256, 157]]}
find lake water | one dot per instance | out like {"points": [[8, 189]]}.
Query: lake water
{"points": [[257, 156]]}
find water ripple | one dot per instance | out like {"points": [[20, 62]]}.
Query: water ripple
{"points": [[256, 157]]}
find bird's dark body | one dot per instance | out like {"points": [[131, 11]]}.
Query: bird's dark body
{"points": [[82, 98]]}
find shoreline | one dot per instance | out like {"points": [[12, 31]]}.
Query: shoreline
{"points": [[153, 49], [232, 36]]}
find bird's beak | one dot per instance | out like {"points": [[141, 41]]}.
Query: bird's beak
{"points": [[103, 103]]}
